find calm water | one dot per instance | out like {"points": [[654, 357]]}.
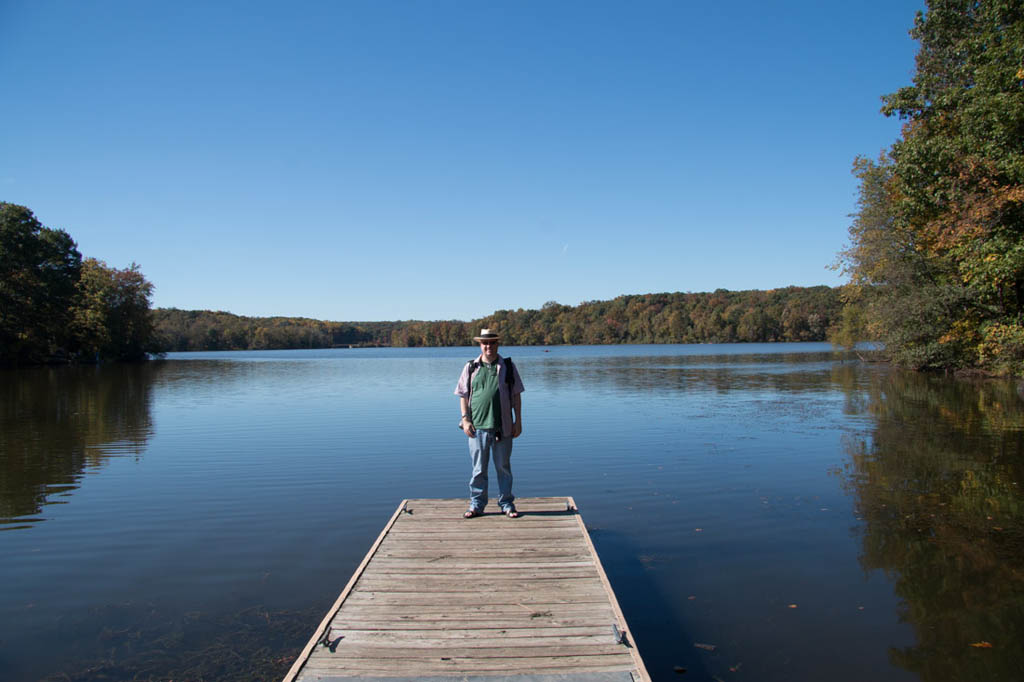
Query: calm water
{"points": [[811, 518]]}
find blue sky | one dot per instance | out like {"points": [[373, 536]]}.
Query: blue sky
{"points": [[441, 160]]}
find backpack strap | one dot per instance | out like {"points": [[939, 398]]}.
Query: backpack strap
{"points": [[510, 376], [510, 381], [472, 364]]}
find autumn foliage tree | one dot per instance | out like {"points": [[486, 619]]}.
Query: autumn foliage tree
{"points": [[937, 245], [111, 314]]}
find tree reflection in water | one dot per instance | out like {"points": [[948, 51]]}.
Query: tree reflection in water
{"points": [[57, 422], [937, 480]]}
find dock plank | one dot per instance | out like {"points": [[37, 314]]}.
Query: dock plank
{"points": [[443, 597]]}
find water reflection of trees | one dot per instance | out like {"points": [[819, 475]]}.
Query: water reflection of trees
{"points": [[938, 480], [783, 372], [57, 422]]}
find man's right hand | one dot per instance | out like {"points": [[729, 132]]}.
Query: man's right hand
{"points": [[467, 428]]}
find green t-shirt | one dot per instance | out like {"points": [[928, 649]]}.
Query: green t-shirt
{"points": [[485, 408]]}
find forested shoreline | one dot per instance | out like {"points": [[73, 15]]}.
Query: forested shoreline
{"points": [[788, 314], [56, 306], [936, 255]]}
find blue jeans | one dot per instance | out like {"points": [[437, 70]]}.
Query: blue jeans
{"points": [[483, 447]]}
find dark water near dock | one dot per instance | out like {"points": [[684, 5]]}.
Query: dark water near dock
{"points": [[807, 517]]}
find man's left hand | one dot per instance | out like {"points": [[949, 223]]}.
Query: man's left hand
{"points": [[517, 429]]}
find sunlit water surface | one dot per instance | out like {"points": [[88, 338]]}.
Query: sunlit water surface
{"points": [[808, 516]]}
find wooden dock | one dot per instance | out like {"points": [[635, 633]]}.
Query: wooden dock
{"points": [[439, 597]]}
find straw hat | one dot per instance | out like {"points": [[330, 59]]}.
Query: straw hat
{"points": [[487, 335]]}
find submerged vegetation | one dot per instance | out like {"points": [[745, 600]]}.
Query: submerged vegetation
{"points": [[146, 642], [937, 245]]}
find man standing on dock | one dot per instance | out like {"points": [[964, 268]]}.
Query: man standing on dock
{"points": [[489, 391]]}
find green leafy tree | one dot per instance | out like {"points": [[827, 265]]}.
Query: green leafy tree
{"points": [[39, 268]]}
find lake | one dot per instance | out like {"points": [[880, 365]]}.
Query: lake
{"points": [[806, 515]]}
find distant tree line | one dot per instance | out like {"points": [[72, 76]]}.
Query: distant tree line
{"points": [[192, 330], [789, 314], [936, 257], [55, 306]]}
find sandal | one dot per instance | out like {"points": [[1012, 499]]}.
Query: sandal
{"points": [[472, 514], [512, 513]]}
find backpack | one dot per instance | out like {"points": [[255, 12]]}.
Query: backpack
{"points": [[510, 378]]}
